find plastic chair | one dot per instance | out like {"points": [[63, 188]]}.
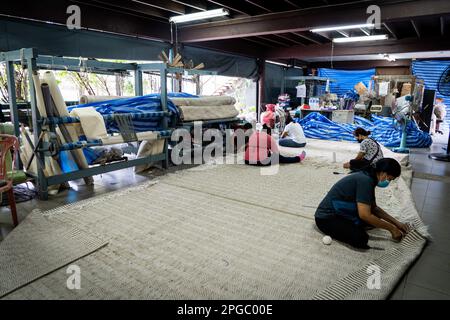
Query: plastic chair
{"points": [[8, 143]]}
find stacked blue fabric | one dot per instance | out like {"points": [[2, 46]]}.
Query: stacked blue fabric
{"points": [[147, 103], [383, 130]]}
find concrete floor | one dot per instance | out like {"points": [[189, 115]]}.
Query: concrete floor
{"points": [[428, 278]]}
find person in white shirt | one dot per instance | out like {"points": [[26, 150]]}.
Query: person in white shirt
{"points": [[439, 114], [293, 135]]}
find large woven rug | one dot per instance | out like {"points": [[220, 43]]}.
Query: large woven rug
{"points": [[39, 247], [228, 232]]}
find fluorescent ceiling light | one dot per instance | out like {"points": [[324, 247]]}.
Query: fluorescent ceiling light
{"points": [[355, 26], [359, 39], [200, 15], [283, 64]]}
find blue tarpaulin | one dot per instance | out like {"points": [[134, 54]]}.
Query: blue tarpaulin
{"points": [[147, 103], [383, 130], [345, 80]]}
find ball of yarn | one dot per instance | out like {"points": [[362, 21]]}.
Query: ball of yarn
{"points": [[326, 240]]}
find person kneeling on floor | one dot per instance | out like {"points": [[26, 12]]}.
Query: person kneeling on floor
{"points": [[370, 151], [262, 150], [350, 206], [293, 135]]}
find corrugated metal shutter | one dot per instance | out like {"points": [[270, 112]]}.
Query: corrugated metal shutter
{"points": [[346, 79], [430, 72]]}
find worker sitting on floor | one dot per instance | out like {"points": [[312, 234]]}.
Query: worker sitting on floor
{"points": [[262, 150], [292, 136], [269, 116], [370, 151], [350, 206]]}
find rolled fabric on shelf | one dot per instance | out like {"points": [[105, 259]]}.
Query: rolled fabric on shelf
{"points": [[69, 129], [204, 101], [90, 99], [91, 121], [191, 113]]}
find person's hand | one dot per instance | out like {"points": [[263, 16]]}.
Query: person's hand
{"points": [[397, 235], [347, 165], [404, 227]]}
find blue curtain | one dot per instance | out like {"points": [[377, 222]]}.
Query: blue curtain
{"points": [[430, 72], [345, 80]]}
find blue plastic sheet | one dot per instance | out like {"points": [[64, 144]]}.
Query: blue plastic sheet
{"points": [[147, 103], [346, 79], [383, 130]]}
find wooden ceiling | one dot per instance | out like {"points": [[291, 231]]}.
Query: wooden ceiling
{"points": [[259, 28]]}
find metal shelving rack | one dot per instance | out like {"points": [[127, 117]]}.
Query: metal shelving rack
{"points": [[30, 59]]}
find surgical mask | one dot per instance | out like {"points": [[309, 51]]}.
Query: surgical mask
{"points": [[384, 184]]}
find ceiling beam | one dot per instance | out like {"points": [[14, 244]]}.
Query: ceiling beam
{"points": [[416, 28], [388, 28], [131, 7], [195, 4], [258, 5], [355, 49], [365, 31], [296, 6], [290, 38], [345, 34], [311, 39], [109, 20], [242, 47], [254, 40], [279, 43], [307, 19], [241, 7], [361, 64], [163, 5]]}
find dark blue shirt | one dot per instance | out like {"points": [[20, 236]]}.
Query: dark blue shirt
{"points": [[343, 197]]}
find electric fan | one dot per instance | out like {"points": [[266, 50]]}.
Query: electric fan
{"points": [[401, 119], [443, 89]]}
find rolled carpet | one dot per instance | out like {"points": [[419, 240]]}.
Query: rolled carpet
{"points": [[191, 113], [91, 121], [204, 101], [90, 99]]}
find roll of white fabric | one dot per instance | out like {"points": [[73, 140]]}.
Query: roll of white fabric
{"points": [[61, 107], [39, 98], [204, 101], [91, 121], [147, 135], [149, 148], [90, 99], [191, 113]]}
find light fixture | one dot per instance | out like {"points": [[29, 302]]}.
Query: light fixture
{"points": [[355, 26], [360, 39], [200, 15]]}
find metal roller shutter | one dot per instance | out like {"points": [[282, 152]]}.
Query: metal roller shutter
{"points": [[430, 72]]}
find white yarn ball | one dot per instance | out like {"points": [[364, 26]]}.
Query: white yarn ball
{"points": [[326, 240]]}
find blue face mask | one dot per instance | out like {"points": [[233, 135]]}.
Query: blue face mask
{"points": [[384, 184]]}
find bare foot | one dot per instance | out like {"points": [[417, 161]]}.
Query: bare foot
{"points": [[302, 156]]}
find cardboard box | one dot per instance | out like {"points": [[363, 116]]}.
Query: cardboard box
{"points": [[361, 88]]}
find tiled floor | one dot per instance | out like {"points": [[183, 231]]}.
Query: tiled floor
{"points": [[429, 277]]}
